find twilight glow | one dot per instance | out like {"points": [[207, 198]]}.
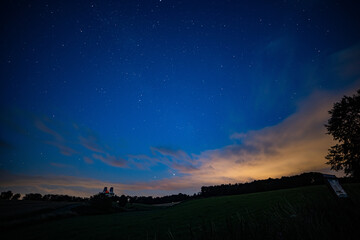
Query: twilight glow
{"points": [[162, 97]]}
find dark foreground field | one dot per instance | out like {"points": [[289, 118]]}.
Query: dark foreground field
{"points": [[301, 213]]}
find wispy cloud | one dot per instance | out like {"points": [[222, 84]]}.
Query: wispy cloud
{"points": [[110, 160], [346, 63], [91, 143], [57, 138], [60, 165], [44, 128], [63, 148], [175, 159], [70, 139], [79, 141], [88, 160]]}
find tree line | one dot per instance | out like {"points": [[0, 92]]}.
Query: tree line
{"points": [[8, 195], [305, 179]]}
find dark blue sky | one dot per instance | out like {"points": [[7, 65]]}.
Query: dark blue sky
{"points": [[146, 93]]}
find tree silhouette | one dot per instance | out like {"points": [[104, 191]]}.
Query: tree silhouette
{"points": [[6, 195], [33, 196], [344, 126]]}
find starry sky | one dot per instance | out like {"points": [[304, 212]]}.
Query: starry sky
{"points": [[161, 97]]}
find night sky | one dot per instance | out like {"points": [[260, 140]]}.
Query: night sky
{"points": [[161, 97]]}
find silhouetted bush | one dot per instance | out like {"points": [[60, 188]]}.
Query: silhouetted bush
{"points": [[33, 196], [121, 201], [102, 201], [62, 198], [159, 200], [6, 195]]}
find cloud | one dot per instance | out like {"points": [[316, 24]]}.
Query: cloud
{"points": [[88, 160], [58, 140], [346, 62], [91, 143], [175, 159], [78, 141], [42, 127], [172, 154], [110, 160], [60, 165], [64, 150], [70, 139]]}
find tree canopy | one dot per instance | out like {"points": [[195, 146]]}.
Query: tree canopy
{"points": [[344, 126]]}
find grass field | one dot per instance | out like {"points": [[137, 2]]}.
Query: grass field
{"points": [[301, 213]]}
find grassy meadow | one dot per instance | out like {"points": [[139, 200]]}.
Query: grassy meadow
{"points": [[301, 213]]}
